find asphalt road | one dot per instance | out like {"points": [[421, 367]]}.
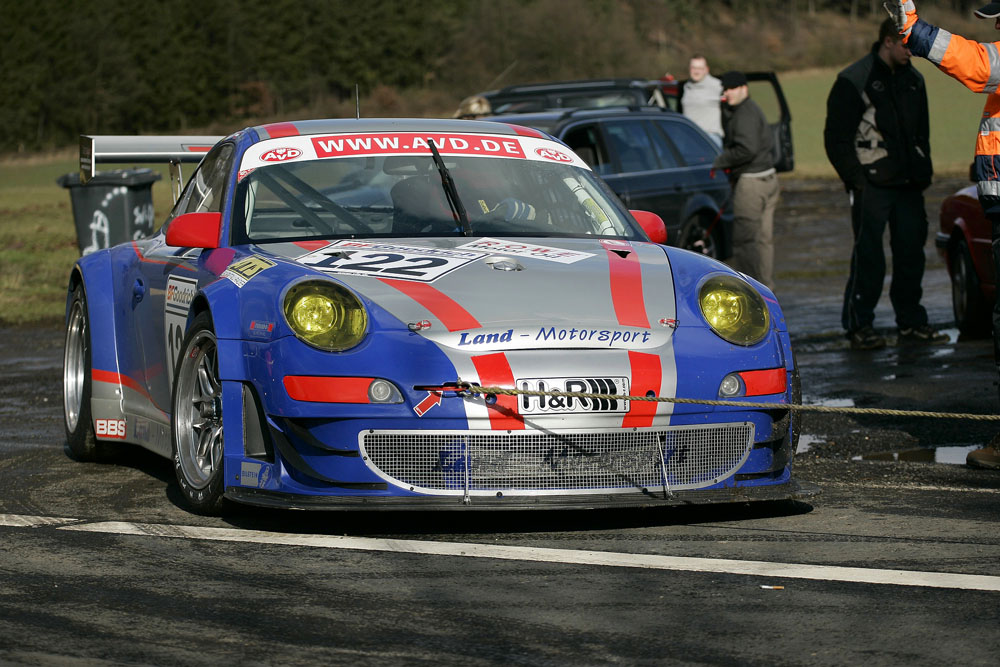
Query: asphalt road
{"points": [[100, 565]]}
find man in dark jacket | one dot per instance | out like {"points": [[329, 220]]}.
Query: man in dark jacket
{"points": [[877, 138], [748, 156]]}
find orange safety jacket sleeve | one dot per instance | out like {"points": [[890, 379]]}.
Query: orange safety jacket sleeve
{"points": [[975, 65]]}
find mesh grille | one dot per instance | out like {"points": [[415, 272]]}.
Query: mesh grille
{"points": [[692, 456]]}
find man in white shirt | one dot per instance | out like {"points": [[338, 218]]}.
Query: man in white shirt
{"points": [[700, 98]]}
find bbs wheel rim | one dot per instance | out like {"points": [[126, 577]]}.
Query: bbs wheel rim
{"points": [[198, 410], [74, 365]]}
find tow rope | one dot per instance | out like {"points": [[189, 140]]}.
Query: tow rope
{"points": [[473, 388]]}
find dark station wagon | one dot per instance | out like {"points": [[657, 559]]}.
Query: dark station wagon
{"points": [[633, 135], [653, 159]]}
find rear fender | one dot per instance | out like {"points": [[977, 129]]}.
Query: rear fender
{"points": [[110, 351], [96, 274]]}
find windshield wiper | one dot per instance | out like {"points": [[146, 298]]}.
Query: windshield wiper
{"points": [[451, 192]]}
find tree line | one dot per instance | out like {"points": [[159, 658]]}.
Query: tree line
{"points": [[115, 67]]}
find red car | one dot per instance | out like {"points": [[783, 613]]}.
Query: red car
{"points": [[965, 241]]}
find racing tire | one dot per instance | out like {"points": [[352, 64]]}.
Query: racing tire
{"points": [[693, 237], [77, 385], [972, 315], [196, 420]]}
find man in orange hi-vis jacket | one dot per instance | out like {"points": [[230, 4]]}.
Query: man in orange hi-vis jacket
{"points": [[977, 66]]}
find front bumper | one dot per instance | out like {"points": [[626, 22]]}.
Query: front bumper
{"points": [[790, 490]]}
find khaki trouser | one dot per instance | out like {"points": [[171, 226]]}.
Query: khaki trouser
{"points": [[754, 201]]}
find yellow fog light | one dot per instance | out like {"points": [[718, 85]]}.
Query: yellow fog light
{"points": [[734, 310], [325, 315]]}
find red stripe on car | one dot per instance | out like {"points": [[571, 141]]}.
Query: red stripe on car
{"points": [[762, 383], [327, 389], [647, 375], [625, 274], [311, 245], [452, 315], [494, 371], [143, 258], [526, 131], [110, 377], [276, 130]]}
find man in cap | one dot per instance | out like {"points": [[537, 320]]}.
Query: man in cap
{"points": [[877, 137], [977, 66], [748, 157]]}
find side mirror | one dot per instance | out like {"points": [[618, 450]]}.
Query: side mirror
{"points": [[652, 224], [196, 230]]}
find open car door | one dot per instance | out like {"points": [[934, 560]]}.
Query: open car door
{"points": [[766, 92]]}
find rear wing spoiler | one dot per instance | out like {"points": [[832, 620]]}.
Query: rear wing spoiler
{"points": [[172, 150]]}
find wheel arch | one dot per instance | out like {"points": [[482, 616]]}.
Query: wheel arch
{"points": [[959, 232], [222, 300], [95, 274], [703, 206], [700, 204]]}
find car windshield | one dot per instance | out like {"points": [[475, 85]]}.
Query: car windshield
{"points": [[403, 196]]}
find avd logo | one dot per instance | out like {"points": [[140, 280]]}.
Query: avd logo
{"points": [[280, 154]]}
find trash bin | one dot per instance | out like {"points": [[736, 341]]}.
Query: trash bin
{"points": [[113, 207]]}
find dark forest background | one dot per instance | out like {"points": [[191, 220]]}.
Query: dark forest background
{"points": [[114, 67]]}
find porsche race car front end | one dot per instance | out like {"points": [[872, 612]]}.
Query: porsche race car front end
{"points": [[389, 424]]}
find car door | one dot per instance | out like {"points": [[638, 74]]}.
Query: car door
{"points": [[168, 278], [695, 153], [766, 92], [646, 173]]}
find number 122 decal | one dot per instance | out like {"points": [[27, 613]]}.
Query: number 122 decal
{"points": [[388, 260], [180, 293]]}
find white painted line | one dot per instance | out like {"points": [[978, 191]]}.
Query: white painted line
{"points": [[566, 556], [25, 521]]}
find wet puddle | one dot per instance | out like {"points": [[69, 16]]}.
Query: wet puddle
{"points": [[954, 454]]}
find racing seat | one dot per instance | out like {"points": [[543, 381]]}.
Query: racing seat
{"points": [[420, 206]]}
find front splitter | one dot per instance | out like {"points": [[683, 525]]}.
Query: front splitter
{"points": [[791, 490]]}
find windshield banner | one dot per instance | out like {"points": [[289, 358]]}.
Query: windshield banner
{"points": [[314, 147]]}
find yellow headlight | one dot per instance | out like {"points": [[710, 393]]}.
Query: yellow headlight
{"points": [[325, 315], [734, 310]]}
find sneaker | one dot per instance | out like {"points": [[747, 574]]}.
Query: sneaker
{"points": [[925, 333], [987, 457], [865, 338]]}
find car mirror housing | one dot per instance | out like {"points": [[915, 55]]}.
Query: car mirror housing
{"points": [[196, 230], [652, 224]]}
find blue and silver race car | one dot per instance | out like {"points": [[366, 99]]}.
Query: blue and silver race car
{"points": [[304, 328]]}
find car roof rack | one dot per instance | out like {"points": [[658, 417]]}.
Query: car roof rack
{"points": [[581, 84], [631, 108]]}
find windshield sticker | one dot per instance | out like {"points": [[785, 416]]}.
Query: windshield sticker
{"points": [[388, 260], [553, 154], [241, 272], [409, 142], [560, 255], [281, 154], [299, 148]]}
